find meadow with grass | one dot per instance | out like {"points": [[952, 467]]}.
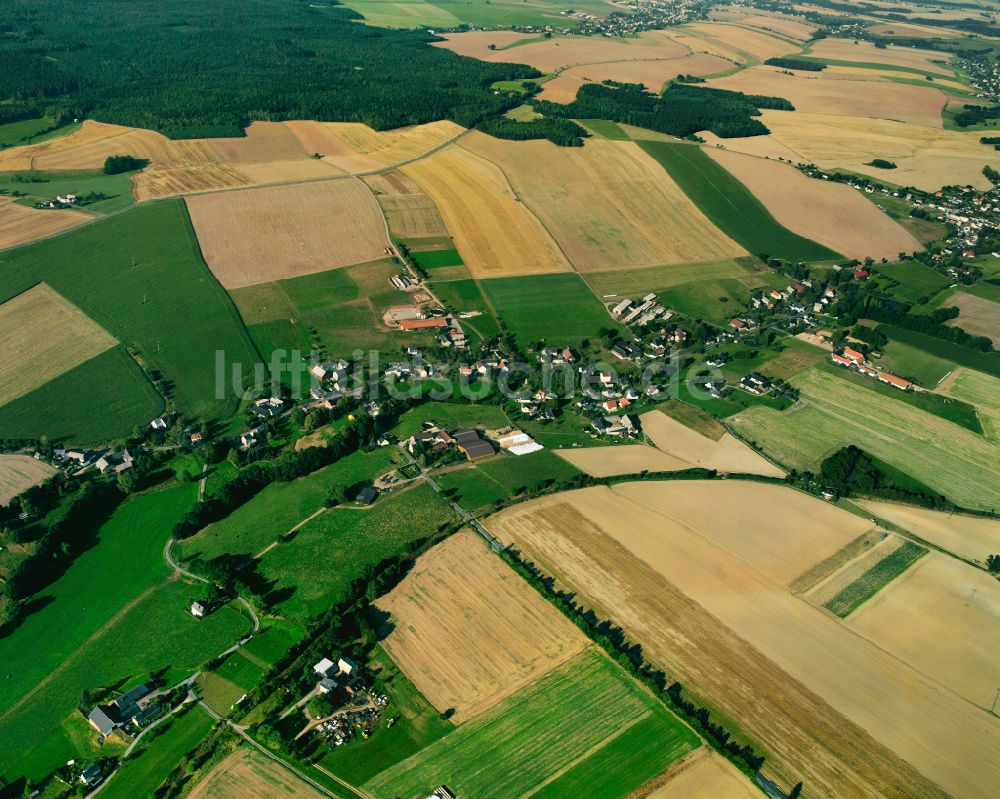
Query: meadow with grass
{"points": [[477, 488], [585, 727]]}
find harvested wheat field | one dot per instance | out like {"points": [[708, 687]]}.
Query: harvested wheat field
{"points": [[20, 224], [757, 44], [867, 53], [942, 617], [759, 146], [246, 772], [833, 214], [698, 43], [621, 459], [782, 24], [969, 537], [727, 454], [19, 473], [562, 51], [705, 775], [826, 706], [815, 93], [496, 233], [42, 335], [606, 203], [469, 632], [356, 148], [651, 73], [258, 235], [978, 316], [840, 72], [411, 214], [927, 158]]}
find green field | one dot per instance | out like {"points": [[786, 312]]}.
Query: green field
{"points": [[636, 282], [273, 641], [450, 416], [452, 13], [159, 753], [988, 362], [141, 276], [915, 364], [477, 488], [116, 188], [606, 129], [915, 280], [221, 687], [558, 309], [418, 725], [836, 412], [465, 295], [343, 306], [30, 131], [281, 506], [585, 726], [731, 206], [717, 300], [432, 259], [312, 571], [110, 396], [875, 579]]}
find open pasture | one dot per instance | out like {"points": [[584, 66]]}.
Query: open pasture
{"points": [[978, 316], [828, 707], [19, 473], [835, 412], [20, 224], [832, 214], [469, 632], [159, 754], [981, 390], [629, 282], [140, 275], [116, 190], [246, 772], [555, 308], [914, 280], [584, 727], [927, 158], [259, 235], [495, 232], [914, 363], [43, 335], [867, 54], [705, 775], [607, 204], [652, 73], [942, 617], [727, 453], [816, 93], [730, 204], [970, 537], [411, 214]]}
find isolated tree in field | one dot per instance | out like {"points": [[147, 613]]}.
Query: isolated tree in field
{"points": [[993, 564], [116, 164]]}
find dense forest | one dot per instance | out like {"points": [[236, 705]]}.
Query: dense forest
{"points": [[681, 110], [795, 63], [192, 69]]}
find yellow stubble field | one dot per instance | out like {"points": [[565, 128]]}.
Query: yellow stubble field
{"points": [[247, 772], [755, 43], [705, 775], [469, 632], [707, 597], [817, 93], [972, 537], [20, 224], [785, 25], [833, 214], [19, 473], [258, 235], [496, 233], [607, 204], [409, 212], [927, 158], [893, 56]]}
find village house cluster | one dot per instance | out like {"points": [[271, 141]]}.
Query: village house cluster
{"points": [[851, 358]]}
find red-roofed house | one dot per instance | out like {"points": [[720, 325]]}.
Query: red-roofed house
{"points": [[854, 355], [841, 359], [893, 380], [421, 324]]}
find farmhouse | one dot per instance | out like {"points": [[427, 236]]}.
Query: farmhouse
{"points": [[422, 324], [116, 462], [92, 776], [893, 380], [517, 442], [840, 359], [330, 370], [197, 610], [367, 495], [755, 383], [472, 445], [267, 407], [854, 355], [133, 705]]}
